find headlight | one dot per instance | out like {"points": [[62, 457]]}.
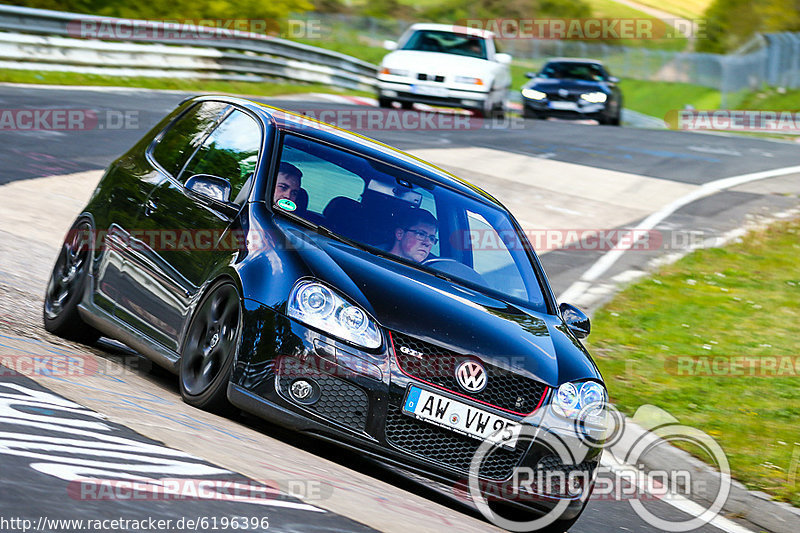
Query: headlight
{"points": [[394, 72], [594, 98], [533, 94], [318, 306], [468, 80], [575, 400]]}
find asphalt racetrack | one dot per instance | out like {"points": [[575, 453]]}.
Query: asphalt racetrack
{"points": [[125, 416]]}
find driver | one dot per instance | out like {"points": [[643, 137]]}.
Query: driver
{"points": [[288, 183], [415, 235]]}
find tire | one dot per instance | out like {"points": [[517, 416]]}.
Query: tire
{"points": [[67, 285], [384, 102], [407, 105], [499, 111], [209, 349]]}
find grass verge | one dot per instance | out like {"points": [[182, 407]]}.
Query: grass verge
{"points": [[189, 85], [736, 301], [656, 98]]}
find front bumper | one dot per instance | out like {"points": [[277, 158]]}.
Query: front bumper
{"points": [[437, 94], [561, 109], [360, 407]]}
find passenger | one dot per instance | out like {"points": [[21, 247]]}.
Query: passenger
{"points": [[415, 236], [288, 183]]}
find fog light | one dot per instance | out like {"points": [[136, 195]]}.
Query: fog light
{"points": [[470, 103], [390, 93], [301, 390]]}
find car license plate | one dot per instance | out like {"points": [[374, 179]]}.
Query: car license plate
{"points": [[461, 418], [564, 106], [427, 90]]}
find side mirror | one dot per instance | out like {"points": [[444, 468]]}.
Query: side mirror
{"points": [[390, 45], [613, 79], [503, 59], [531, 74], [213, 187], [576, 320]]}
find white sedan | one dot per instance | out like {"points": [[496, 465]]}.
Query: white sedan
{"points": [[445, 65]]}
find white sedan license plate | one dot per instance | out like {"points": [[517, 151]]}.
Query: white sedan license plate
{"points": [[427, 90], [461, 418], [564, 106]]}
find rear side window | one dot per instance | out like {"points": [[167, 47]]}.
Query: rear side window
{"points": [[230, 152], [185, 134]]}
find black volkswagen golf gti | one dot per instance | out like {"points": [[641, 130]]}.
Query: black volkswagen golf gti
{"points": [[342, 288]]}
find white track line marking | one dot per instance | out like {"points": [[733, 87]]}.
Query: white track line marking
{"points": [[707, 189], [676, 500]]}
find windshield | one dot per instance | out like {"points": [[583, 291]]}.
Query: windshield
{"points": [[406, 216], [447, 43], [573, 71]]}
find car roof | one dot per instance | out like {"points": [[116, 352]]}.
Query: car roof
{"points": [[477, 32], [573, 60], [292, 122]]}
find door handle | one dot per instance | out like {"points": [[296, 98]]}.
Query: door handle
{"points": [[149, 207]]}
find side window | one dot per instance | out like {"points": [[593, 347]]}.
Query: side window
{"points": [[322, 179], [492, 259], [230, 152], [184, 135]]}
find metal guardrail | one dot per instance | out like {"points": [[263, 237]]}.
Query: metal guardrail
{"points": [[48, 40]]}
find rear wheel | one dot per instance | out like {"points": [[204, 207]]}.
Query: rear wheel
{"points": [[407, 105], [209, 349], [384, 102], [67, 285]]}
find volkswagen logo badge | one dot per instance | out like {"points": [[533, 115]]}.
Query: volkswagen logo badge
{"points": [[471, 376], [563, 93]]}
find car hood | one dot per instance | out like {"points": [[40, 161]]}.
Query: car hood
{"points": [[548, 85], [406, 300], [437, 63]]}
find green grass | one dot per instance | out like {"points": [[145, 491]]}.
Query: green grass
{"points": [[690, 9], [740, 300], [610, 9], [772, 99], [657, 98], [198, 86]]}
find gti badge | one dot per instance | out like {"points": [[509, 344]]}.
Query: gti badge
{"points": [[408, 351], [471, 376]]}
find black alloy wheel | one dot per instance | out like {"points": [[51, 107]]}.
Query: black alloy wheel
{"points": [[67, 284], [210, 347]]}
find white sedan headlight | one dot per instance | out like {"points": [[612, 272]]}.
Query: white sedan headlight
{"points": [[394, 72], [316, 305], [533, 94], [576, 400], [468, 80], [594, 98]]}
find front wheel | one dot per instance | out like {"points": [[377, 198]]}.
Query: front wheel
{"points": [[66, 287], [209, 349]]}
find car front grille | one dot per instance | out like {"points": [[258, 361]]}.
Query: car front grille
{"points": [[340, 400], [570, 97], [430, 77], [435, 365], [446, 447]]}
